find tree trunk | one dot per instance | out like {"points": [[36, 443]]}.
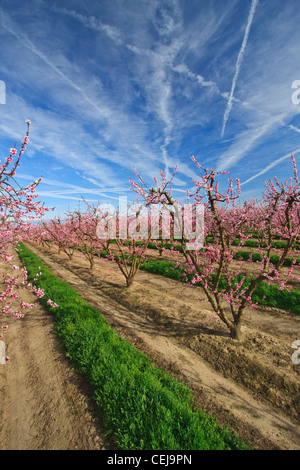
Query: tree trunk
{"points": [[236, 332], [129, 281]]}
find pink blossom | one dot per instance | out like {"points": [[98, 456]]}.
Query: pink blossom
{"points": [[52, 304]]}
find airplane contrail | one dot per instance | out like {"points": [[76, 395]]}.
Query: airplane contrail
{"points": [[271, 165], [239, 63], [294, 128]]}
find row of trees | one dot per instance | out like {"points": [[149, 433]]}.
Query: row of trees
{"points": [[207, 255], [277, 214]]}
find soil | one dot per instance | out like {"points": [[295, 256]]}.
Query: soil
{"points": [[44, 403], [252, 386]]}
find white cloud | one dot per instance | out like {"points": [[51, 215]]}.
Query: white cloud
{"points": [[93, 23], [143, 86]]}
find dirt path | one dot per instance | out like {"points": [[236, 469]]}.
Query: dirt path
{"points": [[44, 403], [253, 386]]}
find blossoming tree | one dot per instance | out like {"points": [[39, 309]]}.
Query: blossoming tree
{"points": [[212, 266], [18, 208]]}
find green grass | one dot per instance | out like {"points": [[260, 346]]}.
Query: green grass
{"points": [[273, 258], [276, 244], [289, 301], [279, 244], [143, 407]]}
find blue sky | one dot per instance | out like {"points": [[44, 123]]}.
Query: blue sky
{"points": [[110, 85]]}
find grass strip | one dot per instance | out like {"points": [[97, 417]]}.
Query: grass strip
{"points": [[256, 257], [289, 301], [242, 254], [264, 294], [143, 407], [254, 243]]}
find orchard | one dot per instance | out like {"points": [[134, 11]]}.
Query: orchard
{"points": [[227, 226], [233, 257]]}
